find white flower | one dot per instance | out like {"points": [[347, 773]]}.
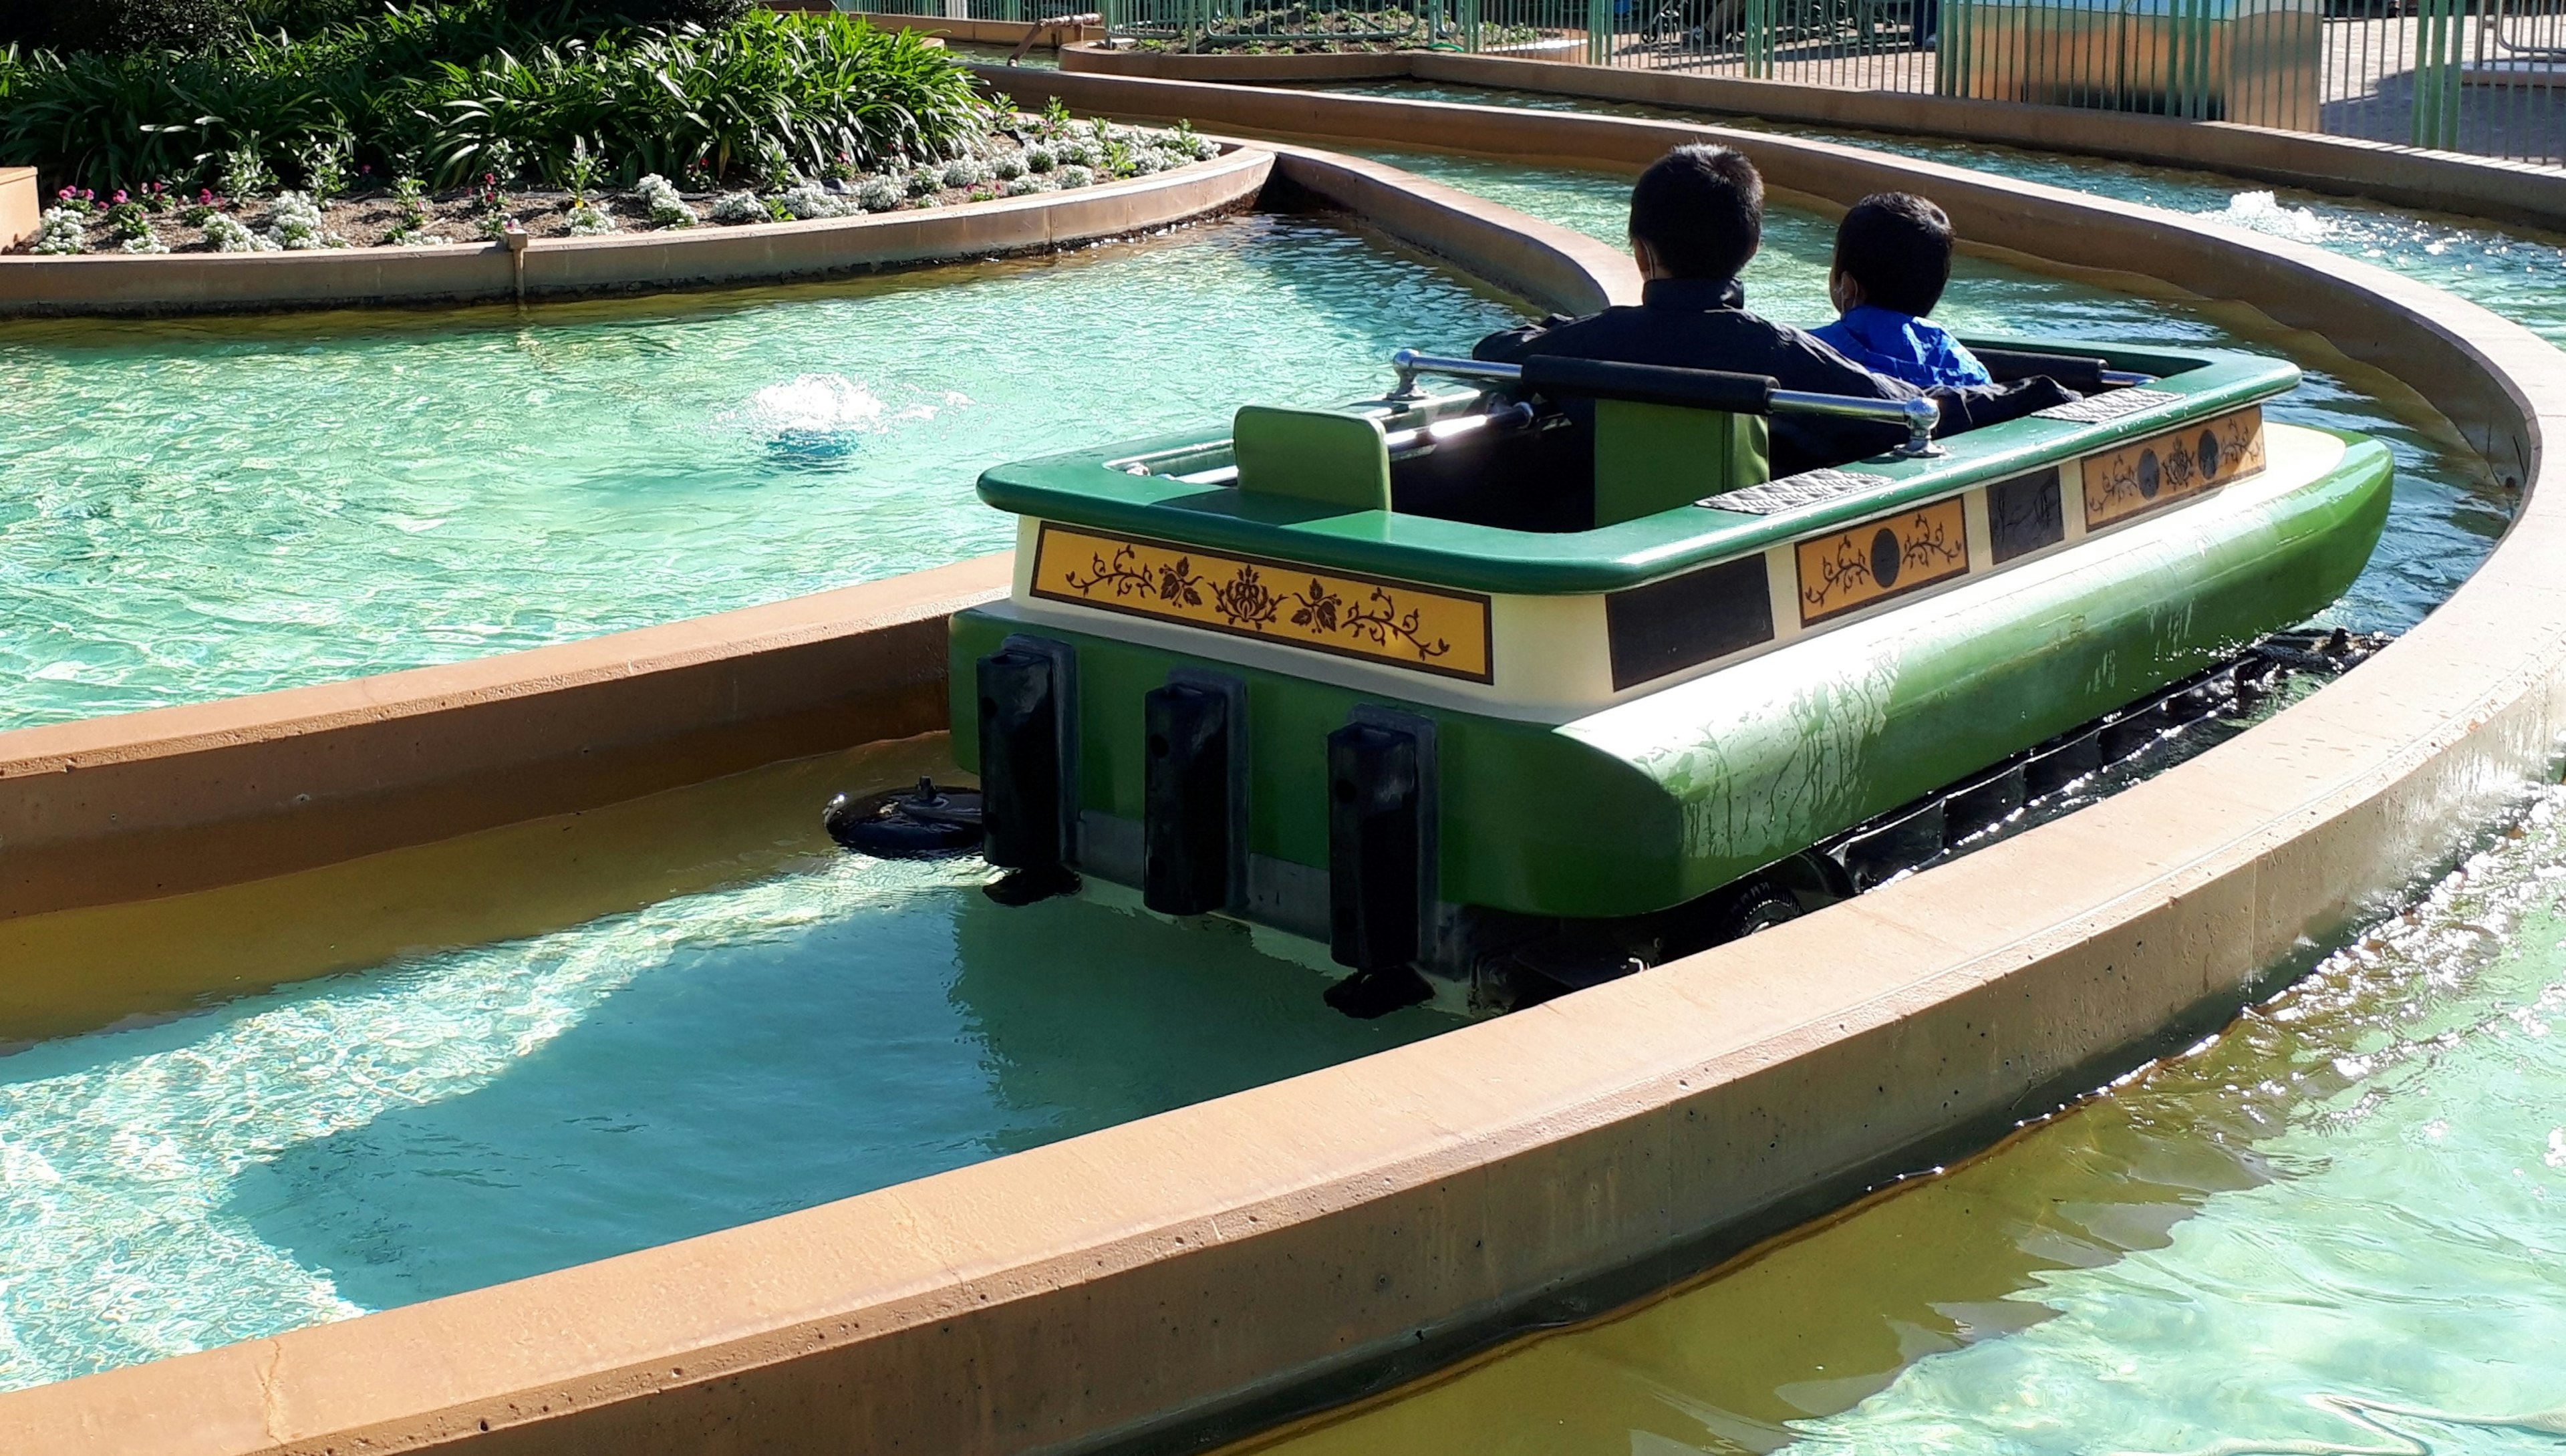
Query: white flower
{"points": [[1006, 166], [739, 207], [880, 195], [1075, 176], [964, 172], [1023, 187], [1040, 158], [62, 230], [587, 220], [149, 242], [809, 199], [1076, 154], [296, 223], [667, 209], [230, 235]]}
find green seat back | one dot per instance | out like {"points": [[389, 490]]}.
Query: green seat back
{"points": [[1315, 456], [1655, 457]]}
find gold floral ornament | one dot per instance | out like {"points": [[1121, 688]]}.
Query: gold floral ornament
{"points": [[1886, 557], [1396, 622], [2138, 477]]}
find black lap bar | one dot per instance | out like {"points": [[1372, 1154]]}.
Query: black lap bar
{"points": [[2082, 375], [1591, 378]]}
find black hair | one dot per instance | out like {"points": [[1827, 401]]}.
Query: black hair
{"points": [[1700, 210], [1898, 246]]}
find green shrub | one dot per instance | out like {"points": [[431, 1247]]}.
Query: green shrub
{"points": [[119, 27], [452, 92]]}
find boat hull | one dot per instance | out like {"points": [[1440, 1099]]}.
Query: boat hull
{"points": [[1657, 801]]}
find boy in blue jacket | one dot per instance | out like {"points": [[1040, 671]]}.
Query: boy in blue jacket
{"points": [[1892, 257]]}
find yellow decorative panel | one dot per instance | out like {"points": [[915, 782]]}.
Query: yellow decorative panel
{"points": [[1378, 620], [2139, 476], [1847, 569]]}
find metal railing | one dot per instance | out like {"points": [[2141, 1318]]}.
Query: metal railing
{"points": [[2480, 76]]}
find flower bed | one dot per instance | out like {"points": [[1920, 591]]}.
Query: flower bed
{"points": [[1022, 156], [1301, 30]]}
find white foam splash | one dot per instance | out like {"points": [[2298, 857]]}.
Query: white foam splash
{"points": [[826, 404], [2263, 212]]}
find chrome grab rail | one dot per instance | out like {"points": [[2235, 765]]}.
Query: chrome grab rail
{"points": [[1920, 415]]}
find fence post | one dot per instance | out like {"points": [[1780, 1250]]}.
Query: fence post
{"points": [[2436, 80], [1599, 31], [1758, 40], [1470, 26]]}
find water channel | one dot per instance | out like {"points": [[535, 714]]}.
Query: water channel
{"points": [[218, 507]]}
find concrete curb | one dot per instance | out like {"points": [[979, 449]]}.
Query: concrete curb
{"points": [[189, 283], [1197, 1273]]}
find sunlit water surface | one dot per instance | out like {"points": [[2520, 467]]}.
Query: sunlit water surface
{"points": [[217, 507], [452, 1120], [191, 509], [2333, 1230]]}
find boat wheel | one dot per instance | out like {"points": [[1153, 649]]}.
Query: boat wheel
{"points": [[923, 822], [1760, 906]]}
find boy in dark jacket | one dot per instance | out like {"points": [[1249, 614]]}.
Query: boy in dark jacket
{"points": [[1697, 217]]}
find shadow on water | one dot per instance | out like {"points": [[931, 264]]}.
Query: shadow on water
{"points": [[743, 1078]]}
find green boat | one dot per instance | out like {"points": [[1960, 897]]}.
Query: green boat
{"points": [[1540, 679]]}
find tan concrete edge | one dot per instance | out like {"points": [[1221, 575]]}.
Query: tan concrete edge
{"points": [[2406, 176], [150, 804], [1165, 1275], [563, 267], [1556, 267]]}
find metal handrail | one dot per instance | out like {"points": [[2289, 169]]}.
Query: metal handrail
{"points": [[1920, 415]]}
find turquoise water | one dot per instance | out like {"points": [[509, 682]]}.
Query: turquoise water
{"points": [[202, 508], [447, 1121], [2333, 1230], [191, 509], [217, 507]]}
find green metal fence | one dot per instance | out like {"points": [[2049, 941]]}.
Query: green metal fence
{"points": [[2480, 76]]}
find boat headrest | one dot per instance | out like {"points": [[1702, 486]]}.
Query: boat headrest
{"points": [[1595, 378], [1319, 455]]}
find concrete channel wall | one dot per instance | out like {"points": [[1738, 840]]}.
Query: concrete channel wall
{"points": [[1197, 1272], [186, 283], [2405, 176]]}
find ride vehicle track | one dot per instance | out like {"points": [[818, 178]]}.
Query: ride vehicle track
{"points": [[1207, 1271]]}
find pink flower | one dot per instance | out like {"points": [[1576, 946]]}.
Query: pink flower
{"points": [[65, 196], [120, 195]]}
